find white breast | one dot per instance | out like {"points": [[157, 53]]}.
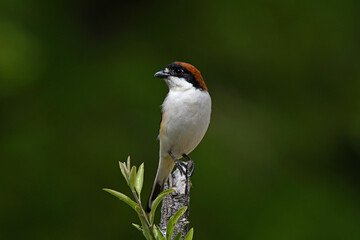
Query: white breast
{"points": [[186, 117]]}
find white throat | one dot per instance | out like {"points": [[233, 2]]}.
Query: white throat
{"points": [[178, 84]]}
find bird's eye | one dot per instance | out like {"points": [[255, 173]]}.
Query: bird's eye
{"points": [[178, 70]]}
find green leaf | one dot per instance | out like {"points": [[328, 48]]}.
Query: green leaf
{"points": [[128, 164], [156, 203], [139, 179], [189, 235], [124, 171], [148, 235], [158, 234], [173, 220], [132, 177], [178, 237], [124, 198], [138, 227]]}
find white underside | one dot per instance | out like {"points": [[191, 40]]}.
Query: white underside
{"points": [[186, 117]]}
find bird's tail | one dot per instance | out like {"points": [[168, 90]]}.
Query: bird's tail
{"points": [[166, 164]]}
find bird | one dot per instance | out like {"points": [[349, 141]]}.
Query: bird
{"points": [[185, 117]]}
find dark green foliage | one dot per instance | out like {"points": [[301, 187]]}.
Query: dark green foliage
{"points": [[77, 93]]}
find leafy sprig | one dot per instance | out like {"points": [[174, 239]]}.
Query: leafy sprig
{"points": [[135, 179]]}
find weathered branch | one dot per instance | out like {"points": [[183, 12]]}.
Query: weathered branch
{"points": [[177, 199]]}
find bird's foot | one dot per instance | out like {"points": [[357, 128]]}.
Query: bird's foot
{"points": [[190, 164], [179, 164]]}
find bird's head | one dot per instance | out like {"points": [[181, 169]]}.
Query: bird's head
{"points": [[182, 76]]}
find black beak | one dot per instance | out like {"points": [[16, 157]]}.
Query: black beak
{"points": [[161, 74]]}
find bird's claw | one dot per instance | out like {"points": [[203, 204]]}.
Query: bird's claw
{"points": [[191, 167], [181, 166], [190, 164]]}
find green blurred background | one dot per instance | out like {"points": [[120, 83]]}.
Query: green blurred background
{"points": [[77, 94]]}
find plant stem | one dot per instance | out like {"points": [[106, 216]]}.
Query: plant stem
{"points": [[143, 214]]}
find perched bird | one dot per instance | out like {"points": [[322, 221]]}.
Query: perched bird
{"points": [[185, 118]]}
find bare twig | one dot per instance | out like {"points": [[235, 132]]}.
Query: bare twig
{"points": [[176, 200]]}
